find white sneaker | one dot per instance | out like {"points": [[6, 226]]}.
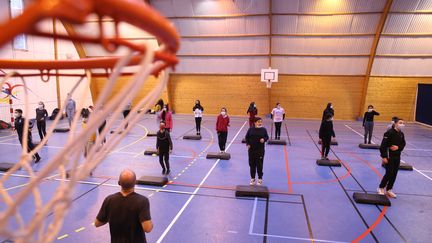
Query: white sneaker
{"points": [[391, 194], [380, 191], [259, 183], [252, 182]]}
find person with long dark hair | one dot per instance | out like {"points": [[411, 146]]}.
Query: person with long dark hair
{"points": [[326, 132], [368, 123], [278, 115], [253, 112], [198, 112], [41, 116], [222, 124], [328, 110], [166, 117], [255, 139], [164, 145]]}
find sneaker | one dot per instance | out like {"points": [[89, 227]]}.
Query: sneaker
{"points": [[163, 171], [168, 172], [326, 158], [259, 183], [37, 160], [391, 194], [380, 191], [252, 182], [322, 158]]}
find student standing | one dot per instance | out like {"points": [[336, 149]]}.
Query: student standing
{"points": [[70, 109], [222, 124], [368, 123], [19, 127], [278, 115], [198, 112], [326, 132], [164, 145], [391, 148], [255, 139], [41, 116], [253, 112], [166, 117], [328, 110], [126, 111]]}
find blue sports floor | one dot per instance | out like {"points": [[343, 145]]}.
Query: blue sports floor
{"points": [[308, 203]]}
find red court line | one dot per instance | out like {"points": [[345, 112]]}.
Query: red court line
{"points": [[290, 190]]}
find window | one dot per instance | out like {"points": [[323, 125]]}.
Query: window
{"points": [[16, 8]]}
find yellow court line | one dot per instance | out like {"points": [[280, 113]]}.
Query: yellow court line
{"points": [[62, 237], [143, 137], [80, 229]]}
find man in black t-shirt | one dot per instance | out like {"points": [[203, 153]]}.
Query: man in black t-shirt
{"points": [[127, 212]]}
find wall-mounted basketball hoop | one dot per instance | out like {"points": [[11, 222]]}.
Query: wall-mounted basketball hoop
{"points": [[269, 76]]}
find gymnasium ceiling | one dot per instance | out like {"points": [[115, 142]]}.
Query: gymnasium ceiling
{"points": [[309, 37]]}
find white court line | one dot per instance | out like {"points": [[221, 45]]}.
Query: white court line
{"points": [[252, 222], [427, 171], [195, 192], [401, 160]]}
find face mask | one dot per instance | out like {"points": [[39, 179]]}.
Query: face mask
{"points": [[223, 113], [331, 107], [196, 103], [16, 115], [40, 107], [259, 126], [278, 106], [254, 105], [370, 110], [164, 109], [401, 127]]}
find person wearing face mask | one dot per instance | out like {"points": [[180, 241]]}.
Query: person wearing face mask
{"points": [[326, 132], [278, 115], [166, 117], [391, 125], [19, 128], [41, 116], [222, 124], [328, 110], [253, 112], [368, 123], [70, 109], [255, 138], [198, 112], [391, 148], [164, 145]]}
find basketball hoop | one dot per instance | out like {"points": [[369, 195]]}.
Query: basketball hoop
{"points": [[269, 76], [268, 84], [139, 14]]}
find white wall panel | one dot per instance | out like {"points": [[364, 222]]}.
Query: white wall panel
{"points": [[228, 65], [402, 66], [321, 45], [309, 6], [321, 65], [325, 24], [404, 45], [243, 45], [175, 8], [411, 5], [225, 26], [408, 23]]}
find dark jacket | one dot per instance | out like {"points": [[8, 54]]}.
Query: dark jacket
{"points": [[163, 141], [19, 127], [369, 116], [326, 129], [41, 115], [253, 137], [328, 110], [198, 106], [392, 137]]}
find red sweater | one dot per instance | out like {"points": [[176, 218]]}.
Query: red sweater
{"points": [[222, 123]]}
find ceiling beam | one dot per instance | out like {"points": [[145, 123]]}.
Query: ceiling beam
{"points": [[377, 37]]}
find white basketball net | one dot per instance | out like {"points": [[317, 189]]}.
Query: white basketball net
{"points": [[35, 228]]}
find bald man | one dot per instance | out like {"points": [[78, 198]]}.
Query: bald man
{"points": [[127, 212]]}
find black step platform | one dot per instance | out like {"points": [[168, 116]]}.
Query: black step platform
{"points": [[277, 142], [328, 162], [61, 129], [192, 137], [367, 198], [151, 152], [152, 180], [402, 166], [6, 166], [223, 156], [152, 134], [369, 146], [333, 142], [252, 191]]}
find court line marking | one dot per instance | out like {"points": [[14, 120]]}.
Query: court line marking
{"points": [[252, 222], [195, 192], [401, 159]]}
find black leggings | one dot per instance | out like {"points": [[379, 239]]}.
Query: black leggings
{"points": [[278, 129], [392, 168], [164, 156], [198, 124], [256, 161], [41, 126], [325, 146], [125, 114], [222, 137], [368, 127], [30, 145]]}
